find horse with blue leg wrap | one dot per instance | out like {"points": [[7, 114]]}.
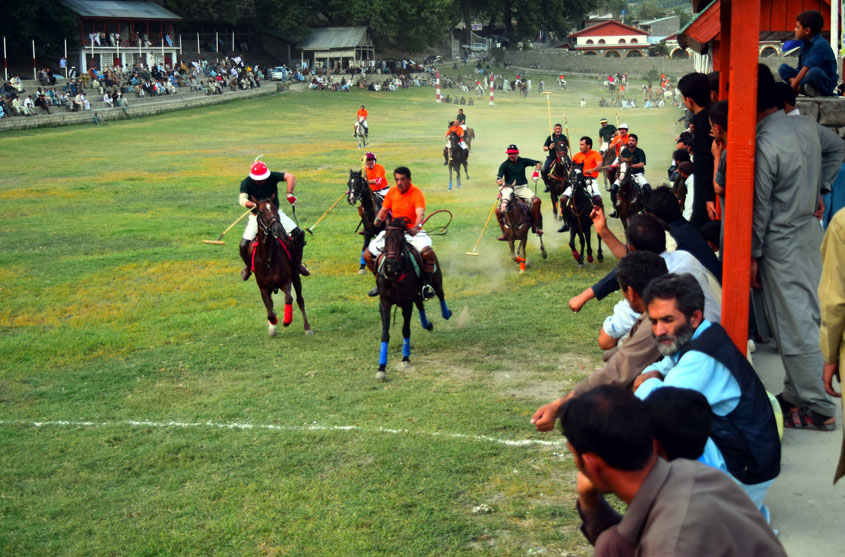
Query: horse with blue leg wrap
{"points": [[399, 279]]}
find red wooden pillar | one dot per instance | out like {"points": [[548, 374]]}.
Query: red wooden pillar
{"points": [[724, 50], [739, 202]]}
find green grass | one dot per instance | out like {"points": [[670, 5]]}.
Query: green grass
{"points": [[115, 312]]}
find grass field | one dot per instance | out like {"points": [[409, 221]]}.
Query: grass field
{"points": [[144, 410]]}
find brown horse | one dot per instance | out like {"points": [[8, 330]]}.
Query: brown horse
{"points": [[518, 220], [557, 175], [399, 285], [271, 261], [469, 137], [457, 158], [628, 198], [357, 189]]}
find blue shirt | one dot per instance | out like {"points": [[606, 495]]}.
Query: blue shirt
{"points": [[816, 53]]}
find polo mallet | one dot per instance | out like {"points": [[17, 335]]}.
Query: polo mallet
{"points": [[568, 144], [474, 251], [549, 107], [313, 226], [219, 241]]}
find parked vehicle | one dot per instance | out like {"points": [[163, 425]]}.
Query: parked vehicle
{"points": [[278, 73]]}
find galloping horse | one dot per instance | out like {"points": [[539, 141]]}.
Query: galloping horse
{"points": [[399, 283], [518, 220], [556, 177], [469, 136], [576, 212], [628, 198], [456, 159], [360, 134], [271, 262], [359, 190]]}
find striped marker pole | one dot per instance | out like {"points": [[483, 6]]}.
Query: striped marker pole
{"points": [[34, 71], [492, 84], [437, 85]]}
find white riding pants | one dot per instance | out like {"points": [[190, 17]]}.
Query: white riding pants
{"points": [[523, 192], [462, 144], [420, 242], [639, 177], [251, 230], [592, 188]]}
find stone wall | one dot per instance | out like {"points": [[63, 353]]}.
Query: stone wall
{"points": [[559, 60], [148, 109]]}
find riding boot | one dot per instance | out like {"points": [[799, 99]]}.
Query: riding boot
{"points": [[244, 250], [445, 156], [563, 200], [501, 219], [538, 217], [614, 189], [370, 261], [466, 154], [545, 175], [428, 263], [298, 237]]}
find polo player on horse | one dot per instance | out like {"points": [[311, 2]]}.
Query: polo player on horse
{"points": [[590, 162], [361, 120], [263, 184], [511, 177], [404, 200], [549, 146], [456, 128]]}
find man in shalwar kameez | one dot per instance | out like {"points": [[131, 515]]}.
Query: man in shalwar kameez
{"points": [[795, 160]]}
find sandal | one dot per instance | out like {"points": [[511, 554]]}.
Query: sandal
{"points": [[804, 418]]}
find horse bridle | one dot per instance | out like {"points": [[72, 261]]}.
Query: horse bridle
{"points": [[399, 252], [267, 227]]}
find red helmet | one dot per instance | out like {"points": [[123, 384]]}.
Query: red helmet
{"points": [[259, 171]]}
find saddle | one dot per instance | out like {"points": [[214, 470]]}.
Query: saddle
{"points": [[413, 255], [521, 205]]}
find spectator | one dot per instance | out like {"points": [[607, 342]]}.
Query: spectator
{"points": [[832, 294], [695, 88], [785, 240], [681, 419], [786, 99], [108, 100], [674, 508], [684, 188], [816, 73], [699, 355], [624, 364], [645, 232]]}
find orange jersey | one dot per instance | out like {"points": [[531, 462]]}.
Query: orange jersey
{"points": [[404, 205], [457, 129], [362, 113], [618, 142], [377, 173], [590, 160]]}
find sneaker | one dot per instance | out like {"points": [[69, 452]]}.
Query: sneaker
{"points": [[811, 91], [362, 269], [427, 292], [374, 292]]}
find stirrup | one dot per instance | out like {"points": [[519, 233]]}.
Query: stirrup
{"points": [[427, 292]]}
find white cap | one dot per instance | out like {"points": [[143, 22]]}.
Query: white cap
{"points": [[623, 125]]}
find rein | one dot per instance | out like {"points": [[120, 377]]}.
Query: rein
{"points": [[440, 230]]}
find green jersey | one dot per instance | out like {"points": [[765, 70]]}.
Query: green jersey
{"points": [[638, 156], [606, 132], [268, 190], [513, 173]]}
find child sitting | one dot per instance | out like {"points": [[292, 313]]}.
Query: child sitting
{"points": [[816, 74]]}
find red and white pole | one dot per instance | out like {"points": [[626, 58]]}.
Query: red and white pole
{"points": [[492, 84], [34, 71], [5, 64], [437, 86]]}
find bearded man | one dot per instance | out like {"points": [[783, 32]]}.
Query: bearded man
{"points": [[700, 356]]}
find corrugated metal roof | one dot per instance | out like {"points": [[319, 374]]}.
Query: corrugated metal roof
{"points": [[335, 37], [119, 10]]}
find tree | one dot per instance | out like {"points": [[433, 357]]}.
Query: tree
{"points": [[47, 22], [650, 9]]}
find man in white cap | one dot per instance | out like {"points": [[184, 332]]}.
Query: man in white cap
{"points": [[263, 184]]}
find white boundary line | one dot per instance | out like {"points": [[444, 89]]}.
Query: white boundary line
{"points": [[270, 427]]}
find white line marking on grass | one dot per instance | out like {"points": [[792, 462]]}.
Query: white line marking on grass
{"points": [[271, 427]]}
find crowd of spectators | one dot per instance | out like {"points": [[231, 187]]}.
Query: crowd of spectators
{"points": [[114, 84]]}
